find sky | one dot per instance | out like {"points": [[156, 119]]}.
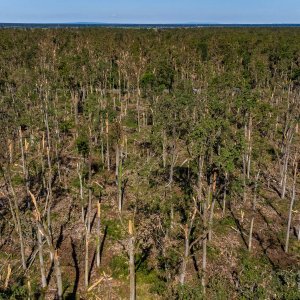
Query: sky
{"points": [[150, 11]]}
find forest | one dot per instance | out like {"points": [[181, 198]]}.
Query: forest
{"points": [[150, 163]]}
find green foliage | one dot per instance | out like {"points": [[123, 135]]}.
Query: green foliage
{"points": [[66, 126], [203, 50], [119, 267], [114, 229], [130, 120], [225, 224], [147, 275], [212, 252], [286, 284], [17, 180], [82, 144], [219, 288], [296, 75], [20, 291], [165, 75], [195, 92], [148, 81], [188, 292], [253, 272]]}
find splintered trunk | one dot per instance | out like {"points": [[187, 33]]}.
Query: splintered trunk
{"points": [[58, 276], [199, 183], [255, 191], [211, 216], [138, 113], [107, 143], [25, 171], [49, 191], [46, 233], [225, 194], [41, 258], [21, 239], [205, 239], [204, 262], [186, 256], [286, 155], [16, 217], [244, 179], [86, 259], [88, 227], [98, 254], [81, 193], [291, 209], [249, 146], [250, 234], [164, 154], [119, 174], [253, 212], [173, 162], [48, 150], [284, 174], [131, 262], [10, 150]]}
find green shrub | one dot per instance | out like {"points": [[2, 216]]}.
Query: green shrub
{"points": [[15, 292], [114, 230], [66, 126], [17, 180], [119, 267], [187, 292], [82, 145]]}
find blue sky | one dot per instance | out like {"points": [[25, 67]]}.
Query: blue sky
{"points": [[154, 11]]}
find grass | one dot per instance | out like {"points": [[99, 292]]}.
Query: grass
{"points": [[224, 225], [114, 229]]}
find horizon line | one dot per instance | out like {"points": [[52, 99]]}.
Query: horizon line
{"points": [[151, 23]]}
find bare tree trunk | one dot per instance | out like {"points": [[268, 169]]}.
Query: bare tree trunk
{"points": [[81, 193], [58, 276], [284, 175], [205, 239], [253, 212], [46, 233], [250, 234], [186, 255], [164, 154], [131, 262], [225, 194], [212, 207], [244, 179], [18, 222], [286, 249], [173, 162], [255, 190], [286, 155], [204, 263], [98, 254], [138, 113], [25, 171], [49, 184], [199, 183], [119, 171], [88, 225], [249, 147], [41, 258], [107, 144], [86, 260], [211, 216]]}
